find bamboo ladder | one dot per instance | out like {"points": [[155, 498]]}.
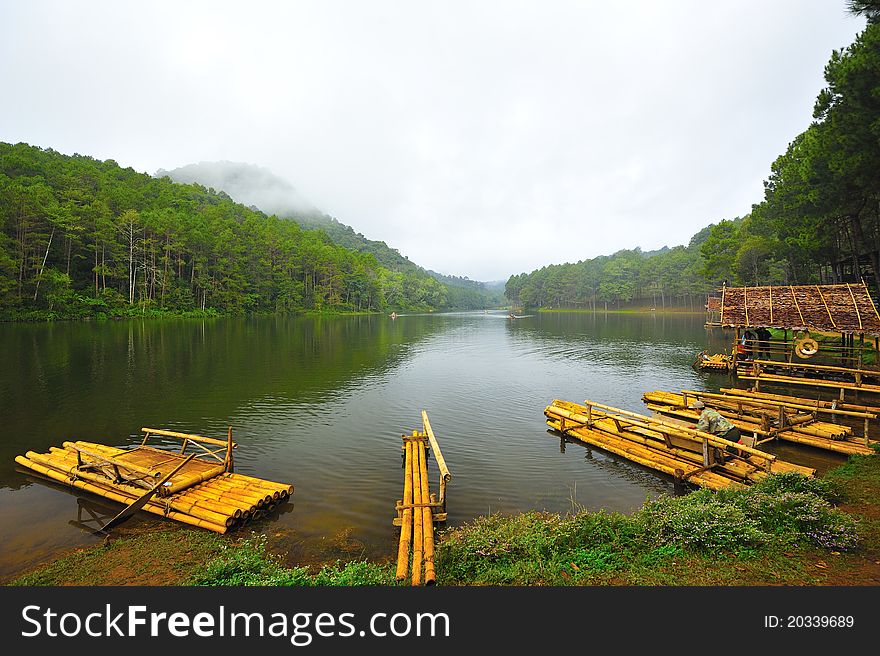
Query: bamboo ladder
{"points": [[420, 508]]}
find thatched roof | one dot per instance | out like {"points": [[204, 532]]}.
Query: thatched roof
{"points": [[834, 308]]}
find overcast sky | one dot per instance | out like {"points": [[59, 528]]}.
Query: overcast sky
{"points": [[480, 139]]}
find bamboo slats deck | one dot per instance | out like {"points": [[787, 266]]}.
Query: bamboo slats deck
{"points": [[766, 419], [683, 453], [419, 509], [200, 492]]}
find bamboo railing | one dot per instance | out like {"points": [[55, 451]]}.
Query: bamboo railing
{"points": [[419, 509], [682, 452], [765, 419]]}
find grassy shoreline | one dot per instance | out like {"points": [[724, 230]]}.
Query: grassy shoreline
{"points": [[787, 530]]}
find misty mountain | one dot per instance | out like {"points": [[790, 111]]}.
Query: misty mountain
{"points": [[247, 184], [261, 189]]}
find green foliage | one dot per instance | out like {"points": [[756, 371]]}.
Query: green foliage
{"points": [[355, 573], [667, 277], [75, 230], [787, 510], [249, 563]]}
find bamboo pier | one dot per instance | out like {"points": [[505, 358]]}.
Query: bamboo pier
{"points": [[818, 404], [420, 509], [686, 454], [820, 376], [199, 489], [769, 419]]}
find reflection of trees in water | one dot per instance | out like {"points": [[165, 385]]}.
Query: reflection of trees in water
{"points": [[103, 381], [614, 339]]}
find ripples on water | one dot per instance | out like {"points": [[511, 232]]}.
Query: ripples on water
{"points": [[322, 403]]}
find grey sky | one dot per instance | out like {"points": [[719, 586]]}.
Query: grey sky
{"points": [[480, 139]]}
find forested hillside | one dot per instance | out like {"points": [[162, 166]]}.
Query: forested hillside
{"points": [[819, 220], [260, 188], [670, 278], [82, 237]]}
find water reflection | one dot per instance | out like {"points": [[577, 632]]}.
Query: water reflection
{"points": [[322, 402]]}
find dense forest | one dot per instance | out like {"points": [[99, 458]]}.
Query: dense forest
{"points": [[261, 189], [819, 220], [81, 237]]}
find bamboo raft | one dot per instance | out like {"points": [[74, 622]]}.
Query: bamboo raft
{"points": [[419, 509], [686, 454], [199, 489], [819, 405], [714, 362], [768, 419], [821, 376]]}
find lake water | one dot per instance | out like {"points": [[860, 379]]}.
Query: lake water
{"points": [[321, 402]]}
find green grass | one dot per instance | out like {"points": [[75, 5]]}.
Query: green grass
{"points": [[249, 563], [703, 538], [163, 557]]}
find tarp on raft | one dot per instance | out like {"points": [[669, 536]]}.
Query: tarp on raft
{"points": [[846, 308]]}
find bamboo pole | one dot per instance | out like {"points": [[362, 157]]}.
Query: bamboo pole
{"points": [[215, 511], [418, 528], [267, 494], [100, 490], [195, 479], [713, 439], [406, 526], [187, 436], [840, 442], [820, 367], [650, 452], [227, 496], [815, 403], [445, 476], [644, 456], [276, 491], [261, 482], [141, 501], [114, 461], [812, 382], [650, 438], [427, 519], [758, 402]]}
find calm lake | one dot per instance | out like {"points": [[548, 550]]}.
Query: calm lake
{"points": [[321, 402]]}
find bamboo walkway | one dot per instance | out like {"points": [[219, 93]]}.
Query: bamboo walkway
{"points": [[770, 419], [199, 490], [811, 375], [684, 453], [419, 509]]}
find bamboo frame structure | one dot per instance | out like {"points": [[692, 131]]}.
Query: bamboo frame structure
{"points": [[192, 488], [686, 454], [419, 509], [767, 419]]}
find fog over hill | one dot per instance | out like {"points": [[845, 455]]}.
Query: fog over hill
{"points": [[248, 184], [260, 188]]}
